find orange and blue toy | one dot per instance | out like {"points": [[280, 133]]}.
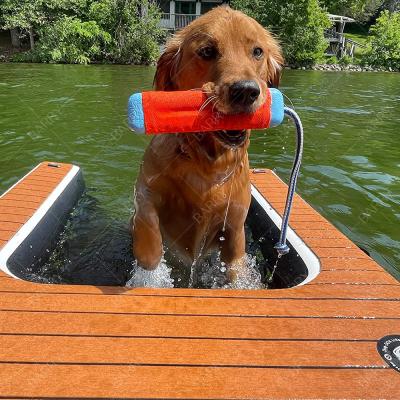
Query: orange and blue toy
{"points": [[183, 112]]}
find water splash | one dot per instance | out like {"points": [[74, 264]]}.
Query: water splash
{"points": [[158, 278], [271, 277], [247, 275]]}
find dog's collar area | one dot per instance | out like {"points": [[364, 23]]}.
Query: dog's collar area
{"points": [[234, 138]]}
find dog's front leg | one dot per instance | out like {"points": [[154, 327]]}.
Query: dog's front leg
{"points": [[146, 237], [233, 251]]}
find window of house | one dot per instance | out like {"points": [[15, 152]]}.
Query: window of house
{"points": [[164, 6], [185, 7]]}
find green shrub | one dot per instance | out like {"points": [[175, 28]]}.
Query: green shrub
{"points": [[346, 60], [298, 24], [332, 60], [83, 31], [383, 46], [69, 40]]}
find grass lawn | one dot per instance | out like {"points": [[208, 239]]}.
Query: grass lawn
{"points": [[359, 37]]}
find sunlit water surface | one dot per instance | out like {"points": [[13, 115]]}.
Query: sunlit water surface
{"points": [[77, 114]]}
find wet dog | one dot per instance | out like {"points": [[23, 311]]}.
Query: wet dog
{"points": [[193, 190]]}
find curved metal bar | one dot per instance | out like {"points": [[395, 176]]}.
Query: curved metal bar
{"points": [[281, 247]]}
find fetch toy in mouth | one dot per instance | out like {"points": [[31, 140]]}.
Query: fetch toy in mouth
{"points": [[183, 112], [157, 112]]}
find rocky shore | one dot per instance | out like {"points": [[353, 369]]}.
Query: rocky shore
{"points": [[341, 67]]}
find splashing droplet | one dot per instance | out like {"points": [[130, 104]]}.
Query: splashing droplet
{"points": [[159, 278]]}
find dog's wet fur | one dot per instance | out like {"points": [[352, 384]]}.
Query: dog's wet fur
{"points": [[187, 180]]}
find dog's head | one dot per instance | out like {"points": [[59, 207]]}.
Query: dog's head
{"points": [[228, 55]]}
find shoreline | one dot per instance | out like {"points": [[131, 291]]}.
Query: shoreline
{"points": [[340, 68], [310, 67]]}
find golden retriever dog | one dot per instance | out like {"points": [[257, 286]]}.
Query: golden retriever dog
{"points": [[193, 190]]}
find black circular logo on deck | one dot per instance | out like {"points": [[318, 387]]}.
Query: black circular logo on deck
{"points": [[389, 349]]}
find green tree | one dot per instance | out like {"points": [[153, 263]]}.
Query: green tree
{"points": [[30, 15], [134, 25], [384, 41], [361, 10], [25, 15], [298, 24]]}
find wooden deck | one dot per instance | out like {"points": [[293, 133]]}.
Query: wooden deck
{"points": [[316, 341]]}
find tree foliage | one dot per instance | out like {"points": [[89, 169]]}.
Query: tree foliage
{"points": [[69, 40], [361, 10], [298, 24], [83, 31], [134, 25], [384, 41]]}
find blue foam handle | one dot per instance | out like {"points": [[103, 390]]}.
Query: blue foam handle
{"points": [[136, 113], [277, 108]]}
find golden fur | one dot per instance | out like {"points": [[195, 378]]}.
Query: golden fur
{"points": [[186, 180]]}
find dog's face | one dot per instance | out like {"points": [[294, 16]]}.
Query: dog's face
{"points": [[229, 56]]}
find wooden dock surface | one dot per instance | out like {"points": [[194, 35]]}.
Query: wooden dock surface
{"points": [[316, 341]]}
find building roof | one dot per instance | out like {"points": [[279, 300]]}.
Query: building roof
{"points": [[340, 18]]}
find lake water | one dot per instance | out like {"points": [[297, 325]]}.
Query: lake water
{"points": [[350, 172]]}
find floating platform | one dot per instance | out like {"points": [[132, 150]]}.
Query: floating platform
{"points": [[316, 340]]}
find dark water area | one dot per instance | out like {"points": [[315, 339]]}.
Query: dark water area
{"points": [[77, 114]]}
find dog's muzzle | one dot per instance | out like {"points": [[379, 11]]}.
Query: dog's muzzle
{"points": [[232, 138]]}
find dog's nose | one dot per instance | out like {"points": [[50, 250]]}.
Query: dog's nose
{"points": [[244, 93]]}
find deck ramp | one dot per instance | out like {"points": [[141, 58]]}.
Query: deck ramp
{"points": [[316, 341]]}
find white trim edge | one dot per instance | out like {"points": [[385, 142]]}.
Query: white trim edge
{"points": [[310, 259], [10, 247]]}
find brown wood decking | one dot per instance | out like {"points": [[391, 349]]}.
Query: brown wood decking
{"points": [[316, 341]]}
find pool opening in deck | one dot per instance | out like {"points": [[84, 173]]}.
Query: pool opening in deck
{"points": [[88, 246]]}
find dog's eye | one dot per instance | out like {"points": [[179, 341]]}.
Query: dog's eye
{"points": [[258, 52], [207, 53]]}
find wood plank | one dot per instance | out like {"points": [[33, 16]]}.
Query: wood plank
{"points": [[194, 326], [330, 242], [49, 173], [9, 284], [32, 198], [159, 382], [21, 219], [312, 217], [6, 235], [32, 185], [334, 252], [20, 190], [20, 203], [297, 203], [355, 277], [315, 233], [200, 306], [350, 264], [56, 349], [12, 209], [10, 226], [41, 179]]}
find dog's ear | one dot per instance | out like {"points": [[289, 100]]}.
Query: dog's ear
{"points": [[167, 66], [275, 63], [274, 60]]}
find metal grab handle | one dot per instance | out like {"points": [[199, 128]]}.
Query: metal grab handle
{"points": [[281, 247]]}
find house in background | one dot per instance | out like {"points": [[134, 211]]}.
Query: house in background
{"points": [[340, 45], [178, 14]]}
